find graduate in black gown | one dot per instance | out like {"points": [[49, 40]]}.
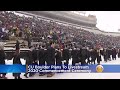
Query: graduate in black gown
{"points": [[2, 61], [66, 55], [50, 57], [75, 56], [42, 58], [16, 60]]}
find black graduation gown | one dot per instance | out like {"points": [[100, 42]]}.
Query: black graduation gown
{"points": [[29, 58], [58, 58], [2, 57], [41, 56], [66, 54], [88, 56], [50, 57], [17, 45], [109, 53], [105, 55], [16, 60], [93, 56], [34, 54], [99, 56], [84, 56], [114, 54], [119, 53], [75, 57]]}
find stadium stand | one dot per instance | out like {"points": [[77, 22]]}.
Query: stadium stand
{"points": [[34, 29]]}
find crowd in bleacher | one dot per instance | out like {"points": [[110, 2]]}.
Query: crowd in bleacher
{"points": [[42, 30]]}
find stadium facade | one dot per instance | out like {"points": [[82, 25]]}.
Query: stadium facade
{"points": [[67, 17]]}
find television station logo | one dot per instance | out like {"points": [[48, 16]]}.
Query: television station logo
{"points": [[99, 68]]}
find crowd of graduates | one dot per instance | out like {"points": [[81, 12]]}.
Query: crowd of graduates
{"points": [[53, 54]]}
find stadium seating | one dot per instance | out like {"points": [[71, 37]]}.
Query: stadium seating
{"points": [[41, 30]]}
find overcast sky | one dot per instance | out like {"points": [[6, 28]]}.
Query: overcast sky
{"points": [[107, 20]]}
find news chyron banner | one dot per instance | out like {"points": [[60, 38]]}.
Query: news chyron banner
{"points": [[15, 68], [18, 68], [75, 69]]}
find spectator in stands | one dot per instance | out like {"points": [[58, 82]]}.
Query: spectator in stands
{"points": [[38, 28]]}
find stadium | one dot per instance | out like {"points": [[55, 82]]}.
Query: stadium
{"points": [[55, 37]]}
